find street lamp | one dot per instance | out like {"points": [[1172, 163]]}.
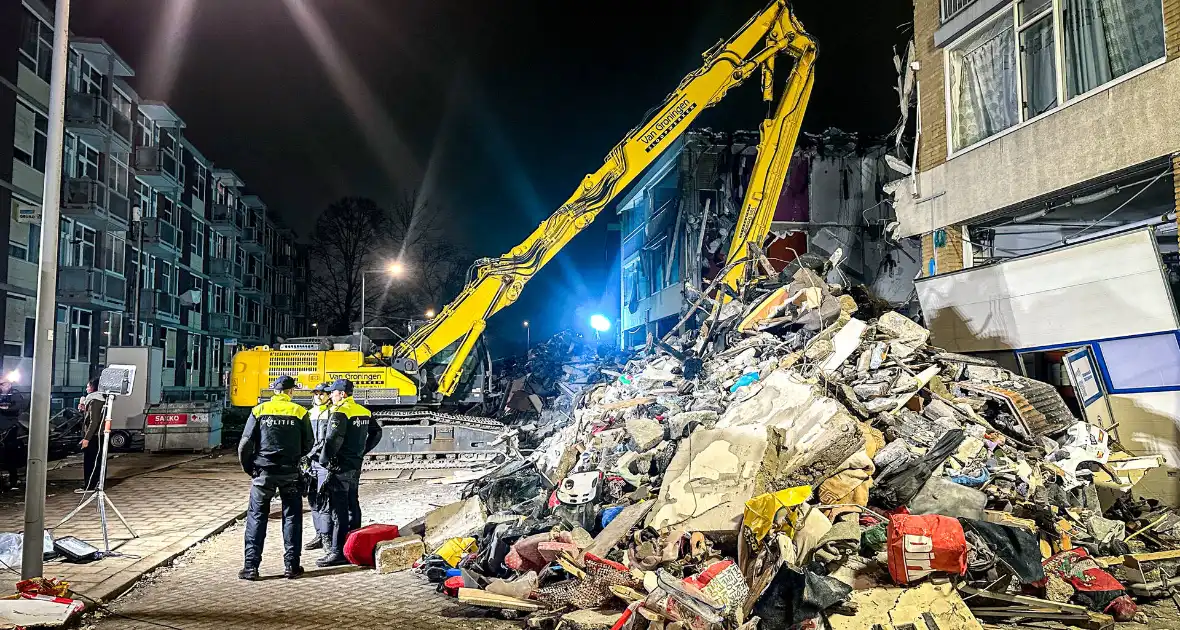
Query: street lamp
{"points": [[395, 270], [528, 341], [429, 313], [600, 324]]}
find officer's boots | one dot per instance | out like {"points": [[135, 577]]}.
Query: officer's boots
{"points": [[292, 572], [314, 543], [332, 560], [248, 573]]}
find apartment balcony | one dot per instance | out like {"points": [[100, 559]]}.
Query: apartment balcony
{"points": [[91, 117], [252, 286], [159, 306], [224, 325], [225, 272], [160, 237], [223, 219], [86, 201], [284, 262], [252, 334], [157, 168], [283, 302], [251, 241], [91, 288]]}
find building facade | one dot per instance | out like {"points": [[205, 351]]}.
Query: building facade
{"points": [[158, 245], [1045, 196], [1037, 118], [678, 220]]}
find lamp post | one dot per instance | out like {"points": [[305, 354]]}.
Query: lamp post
{"points": [[395, 269], [429, 313], [528, 333], [600, 324]]}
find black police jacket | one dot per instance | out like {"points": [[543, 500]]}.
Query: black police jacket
{"points": [[352, 432], [277, 435]]}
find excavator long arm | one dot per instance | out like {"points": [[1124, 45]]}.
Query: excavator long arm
{"points": [[775, 147], [497, 282]]}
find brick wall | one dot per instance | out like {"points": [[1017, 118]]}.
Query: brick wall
{"points": [[947, 257], [932, 103], [1176, 188], [1172, 28]]}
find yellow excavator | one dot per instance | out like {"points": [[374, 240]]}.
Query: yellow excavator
{"points": [[415, 387]]}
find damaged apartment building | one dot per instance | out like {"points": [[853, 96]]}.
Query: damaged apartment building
{"points": [[678, 220], [1045, 196]]}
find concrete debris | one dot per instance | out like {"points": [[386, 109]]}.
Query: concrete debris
{"points": [[779, 461], [399, 554]]}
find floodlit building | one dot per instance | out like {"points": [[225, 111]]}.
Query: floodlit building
{"points": [[1045, 194], [678, 220], [158, 246]]}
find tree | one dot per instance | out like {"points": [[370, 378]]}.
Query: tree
{"points": [[348, 236], [354, 235]]}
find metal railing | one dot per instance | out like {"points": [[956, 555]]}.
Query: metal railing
{"points": [[951, 8]]}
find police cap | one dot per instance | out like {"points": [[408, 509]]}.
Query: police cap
{"points": [[283, 382], [321, 388], [341, 385]]}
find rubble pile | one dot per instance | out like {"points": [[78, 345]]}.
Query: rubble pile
{"points": [[789, 464]]}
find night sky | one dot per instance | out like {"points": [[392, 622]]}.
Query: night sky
{"points": [[492, 110]]}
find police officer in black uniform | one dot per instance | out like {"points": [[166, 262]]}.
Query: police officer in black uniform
{"points": [[352, 432], [277, 435]]}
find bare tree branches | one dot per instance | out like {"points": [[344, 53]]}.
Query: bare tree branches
{"points": [[354, 235]]}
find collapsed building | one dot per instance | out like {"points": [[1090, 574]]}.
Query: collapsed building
{"points": [[677, 221], [799, 458]]}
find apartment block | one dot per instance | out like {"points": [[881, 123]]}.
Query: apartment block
{"points": [[678, 220], [159, 246]]}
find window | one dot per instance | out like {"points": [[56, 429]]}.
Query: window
{"points": [[166, 271], [122, 104], [120, 176], [198, 286], [115, 253], [1139, 363], [1105, 39], [30, 336], [86, 162], [145, 130], [217, 299], [80, 322], [200, 181], [165, 208], [85, 78], [169, 348], [145, 198], [81, 244], [36, 48], [31, 136], [197, 240], [1037, 54], [112, 328]]}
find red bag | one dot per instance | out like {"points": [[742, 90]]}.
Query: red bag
{"points": [[921, 545], [361, 543]]}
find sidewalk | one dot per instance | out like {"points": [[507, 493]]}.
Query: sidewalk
{"points": [[172, 501]]}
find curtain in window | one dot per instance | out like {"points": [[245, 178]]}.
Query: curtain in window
{"points": [[1105, 39], [1040, 68], [1134, 33], [983, 85], [1086, 58]]}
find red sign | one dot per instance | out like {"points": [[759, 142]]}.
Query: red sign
{"points": [[167, 419]]}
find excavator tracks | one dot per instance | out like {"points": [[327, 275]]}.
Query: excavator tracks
{"points": [[422, 439]]}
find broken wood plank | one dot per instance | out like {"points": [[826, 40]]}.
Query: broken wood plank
{"points": [[476, 597], [626, 404]]}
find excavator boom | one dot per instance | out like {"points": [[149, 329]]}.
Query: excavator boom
{"points": [[497, 282]]}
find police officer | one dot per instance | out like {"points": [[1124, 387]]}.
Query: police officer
{"points": [[352, 432], [276, 437], [320, 516]]}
